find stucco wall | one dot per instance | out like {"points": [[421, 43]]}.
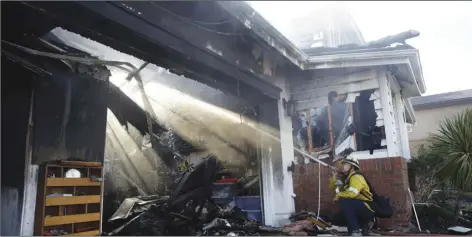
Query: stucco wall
{"points": [[428, 120]]}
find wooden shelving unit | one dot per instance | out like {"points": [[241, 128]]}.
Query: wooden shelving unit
{"points": [[69, 206]]}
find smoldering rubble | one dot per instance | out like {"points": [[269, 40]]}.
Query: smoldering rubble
{"points": [[189, 210]]}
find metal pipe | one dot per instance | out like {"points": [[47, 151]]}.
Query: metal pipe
{"points": [[414, 208], [135, 72]]}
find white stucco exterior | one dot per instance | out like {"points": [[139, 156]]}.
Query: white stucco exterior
{"points": [[428, 121], [284, 203]]}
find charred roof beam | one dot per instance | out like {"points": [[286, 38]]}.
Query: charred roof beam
{"points": [[137, 29]]}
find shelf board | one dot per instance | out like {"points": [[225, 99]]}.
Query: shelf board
{"points": [[81, 164], [64, 182], [57, 201], [70, 219], [86, 233]]}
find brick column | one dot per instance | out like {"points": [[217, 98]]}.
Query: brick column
{"points": [[388, 176]]}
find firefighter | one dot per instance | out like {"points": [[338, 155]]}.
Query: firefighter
{"points": [[353, 195]]}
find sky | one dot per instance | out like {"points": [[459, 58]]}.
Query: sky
{"points": [[445, 41]]}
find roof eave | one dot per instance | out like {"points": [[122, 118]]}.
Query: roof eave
{"points": [[249, 17], [406, 59], [418, 69], [440, 104], [243, 11], [410, 112]]}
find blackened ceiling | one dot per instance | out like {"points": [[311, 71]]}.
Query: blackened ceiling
{"points": [[147, 32]]}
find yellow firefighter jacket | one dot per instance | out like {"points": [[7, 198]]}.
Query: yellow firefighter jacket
{"points": [[356, 188]]}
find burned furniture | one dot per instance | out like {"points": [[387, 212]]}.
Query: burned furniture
{"points": [[189, 210], [172, 215]]}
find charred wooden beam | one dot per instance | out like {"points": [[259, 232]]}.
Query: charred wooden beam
{"points": [[152, 37]]}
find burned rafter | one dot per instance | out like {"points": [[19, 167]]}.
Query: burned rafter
{"points": [[126, 110]]}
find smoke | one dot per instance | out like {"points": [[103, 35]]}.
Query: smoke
{"points": [[222, 132]]}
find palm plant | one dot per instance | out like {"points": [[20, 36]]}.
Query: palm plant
{"points": [[422, 168], [452, 145]]}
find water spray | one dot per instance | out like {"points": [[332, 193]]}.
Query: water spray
{"points": [[309, 156]]}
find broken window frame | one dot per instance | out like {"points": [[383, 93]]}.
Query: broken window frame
{"points": [[380, 152]]}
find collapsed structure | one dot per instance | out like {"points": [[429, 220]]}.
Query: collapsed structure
{"points": [[341, 98]]}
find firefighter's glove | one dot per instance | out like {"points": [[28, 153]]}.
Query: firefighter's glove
{"points": [[336, 199]]}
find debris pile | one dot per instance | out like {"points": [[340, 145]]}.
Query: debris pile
{"points": [[437, 220], [190, 210], [300, 228]]}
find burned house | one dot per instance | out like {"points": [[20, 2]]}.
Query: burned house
{"points": [[235, 88], [235, 64], [375, 86]]}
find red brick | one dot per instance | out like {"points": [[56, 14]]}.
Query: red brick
{"points": [[397, 163], [382, 165], [404, 165]]}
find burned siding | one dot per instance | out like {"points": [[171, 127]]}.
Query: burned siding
{"points": [[11, 211], [70, 115], [356, 116], [312, 91]]}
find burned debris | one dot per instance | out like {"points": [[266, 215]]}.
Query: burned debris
{"points": [[189, 210], [182, 208], [196, 208]]}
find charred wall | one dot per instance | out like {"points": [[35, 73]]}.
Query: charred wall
{"points": [[68, 121], [61, 116], [70, 114], [17, 85]]}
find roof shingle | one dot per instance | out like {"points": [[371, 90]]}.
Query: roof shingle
{"points": [[442, 100]]}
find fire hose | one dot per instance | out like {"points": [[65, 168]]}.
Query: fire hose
{"points": [[305, 154]]}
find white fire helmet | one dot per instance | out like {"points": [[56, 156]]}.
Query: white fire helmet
{"points": [[352, 160]]}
